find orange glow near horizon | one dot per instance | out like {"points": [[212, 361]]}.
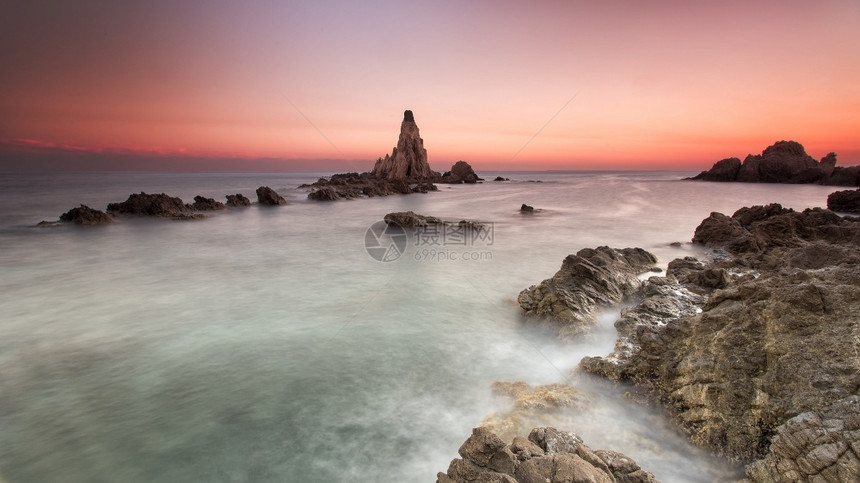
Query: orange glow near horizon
{"points": [[662, 85]]}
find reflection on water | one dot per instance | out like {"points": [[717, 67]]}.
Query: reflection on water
{"points": [[267, 345]]}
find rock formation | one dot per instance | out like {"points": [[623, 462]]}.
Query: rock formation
{"points": [[159, 205], [269, 197], [586, 281], [547, 455], [527, 209], [847, 201], [207, 204], [408, 160], [238, 200], [782, 162], [461, 172], [404, 171], [740, 347], [84, 215]]}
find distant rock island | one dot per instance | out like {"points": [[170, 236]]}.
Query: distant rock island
{"points": [[783, 162], [404, 171]]}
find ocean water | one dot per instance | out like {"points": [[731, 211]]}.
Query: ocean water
{"points": [[267, 345]]}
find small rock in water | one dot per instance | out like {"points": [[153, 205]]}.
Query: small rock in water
{"points": [[238, 200], [268, 197], [527, 209]]}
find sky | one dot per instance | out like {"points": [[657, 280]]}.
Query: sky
{"points": [[322, 85]]}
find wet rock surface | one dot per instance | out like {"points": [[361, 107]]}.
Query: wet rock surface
{"points": [[547, 455], [782, 162], [591, 279], [847, 201], [739, 346]]}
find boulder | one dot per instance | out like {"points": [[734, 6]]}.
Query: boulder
{"points": [[238, 200], [84, 215], [527, 209], [547, 455], [461, 172], [158, 205], [207, 204], [590, 279], [267, 196], [847, 201]]}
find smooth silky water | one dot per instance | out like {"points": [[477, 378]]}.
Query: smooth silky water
{"points": [[265, 344]]}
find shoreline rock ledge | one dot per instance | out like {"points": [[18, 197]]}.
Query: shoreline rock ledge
{"points": [[763, 367]]}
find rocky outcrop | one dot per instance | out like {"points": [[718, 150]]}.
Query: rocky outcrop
{"points": [[269, 197], [526, 209], [207, 204], [590, 279], [546, 455], [408, 160], [822, 445], [84, 215], [847, 201], [782, 162], [158, 205], [738, 346], [238, 200], [461, 172], [345, 186], [499, 178]]}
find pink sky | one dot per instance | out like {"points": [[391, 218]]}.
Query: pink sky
{"points": [[654, 85]]}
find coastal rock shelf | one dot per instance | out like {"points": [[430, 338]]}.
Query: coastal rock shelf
{"points": [[546, 455], [758, 347], [782, 162]]}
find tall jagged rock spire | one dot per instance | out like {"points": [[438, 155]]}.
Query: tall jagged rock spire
{"points": [[409, 159]]}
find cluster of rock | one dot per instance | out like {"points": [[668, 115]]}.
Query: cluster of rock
{"points": [[847, 201], [547, 455], [162, 206], [753, 352], [404, 171], [783, 162], [593, 278]]}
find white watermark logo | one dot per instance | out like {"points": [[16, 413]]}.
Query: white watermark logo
{"points": [[433, 242]]}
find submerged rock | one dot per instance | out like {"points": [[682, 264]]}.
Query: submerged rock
{"points": [[546, 455], [158, 205], [847, 201], [590, 279], [238, 200], [267, 196], [782, 162]]}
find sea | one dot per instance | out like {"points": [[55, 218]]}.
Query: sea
{"points": [[281, 344]]}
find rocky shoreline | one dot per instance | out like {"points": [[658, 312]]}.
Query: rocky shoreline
{"points": [[782, 162], [753, 352]]}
